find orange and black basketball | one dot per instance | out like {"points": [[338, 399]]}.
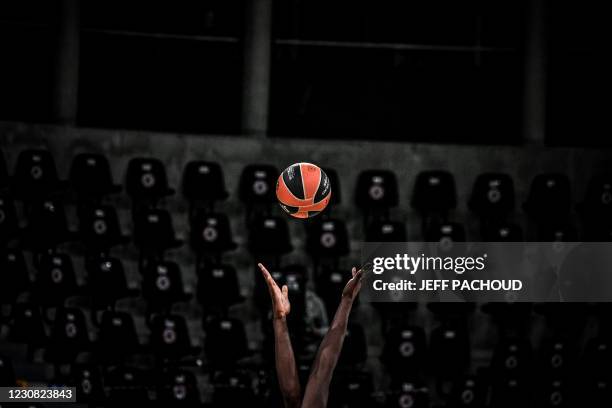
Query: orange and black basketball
{"points": [[303, 190]]}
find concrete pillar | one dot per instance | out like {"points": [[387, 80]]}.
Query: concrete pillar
{"points": [[536, 38], [65, 97], [256, 82]]}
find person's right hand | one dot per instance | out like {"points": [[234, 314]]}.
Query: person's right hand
{"points": [[280, 297]]}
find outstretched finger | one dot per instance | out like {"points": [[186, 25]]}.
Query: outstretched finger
{"points": [[267, 276], [353, 271], [285, 291]]}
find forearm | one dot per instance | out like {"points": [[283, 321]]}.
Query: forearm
{"points": [[286, 369], [325, 362]]}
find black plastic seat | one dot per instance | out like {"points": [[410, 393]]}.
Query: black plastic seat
{"points": [[27, 325], [502, 232], [492, 195], [87, 380], [597, 356], [445, 232], [117, 338], [334, 182], [559, 356], [218, 287], [258, 184], [434, 192], [386, 231], [355, 348], [7, 374], [69, 336], [450, 349], [512, 358], [146, 179], [211, 233], [106, 281], [404, 350], [163, 285], [557, 232], [376, 190], [169, 338], [510, 391], [407, 393], [55, 279], [99, 228], [327, 238], [14, 277], [204, 181], [330, 284], [178, 387], [469, 392], [47, 225], [226, 342], [549, 198], [232, 389], [9, 224], [153, 231], [127, 385], [351, 389], [269, 236], [596, 208], [35, 175], [91, 177]]}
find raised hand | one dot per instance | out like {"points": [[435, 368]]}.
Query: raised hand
{"points": [[353, 285], [280, 297]]}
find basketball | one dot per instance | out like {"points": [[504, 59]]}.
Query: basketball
{"points": [[303, 190]]}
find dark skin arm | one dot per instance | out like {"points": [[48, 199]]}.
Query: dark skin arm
{"points": [[317, 389], [286, 369]]}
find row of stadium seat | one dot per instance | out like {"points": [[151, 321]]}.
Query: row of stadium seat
{"points": [[549, 198]]}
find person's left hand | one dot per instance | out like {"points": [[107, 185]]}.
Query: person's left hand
{"points": [[353, 285]]}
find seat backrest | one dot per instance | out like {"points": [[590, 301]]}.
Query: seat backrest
{"points": [[204, 181], [376, 189]]}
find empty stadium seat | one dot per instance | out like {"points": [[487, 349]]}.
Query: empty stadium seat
{"points": [[117, 337], [91, 177], [549, 198], [408, 393], [376, 190], [232, 389], [269, 236], [55, 279], [330, 284], [154, 232], [404, 350], [558, 356], [218, 287], [469, 392], [127, 385], [557, 232], [512, 358], [178, 387], [225, 342], [204, 181], [501, 232], [35, 175], [106, 281], [597, 203], [87, 380], [69, 336], [146, 179], [211, 233], [258, 184], [327, 238], [47, 225], [169, 338], [334, 182], [597, 356], [14, 277], [9, 224], [446, 233], [163, 285], [27, 325], [386, 231], [434, 192], [492, 195], [351, 389], [510, 391], [99, 228], [449, 349]]}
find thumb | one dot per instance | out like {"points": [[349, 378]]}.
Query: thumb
{"points": [[285, 291]]}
